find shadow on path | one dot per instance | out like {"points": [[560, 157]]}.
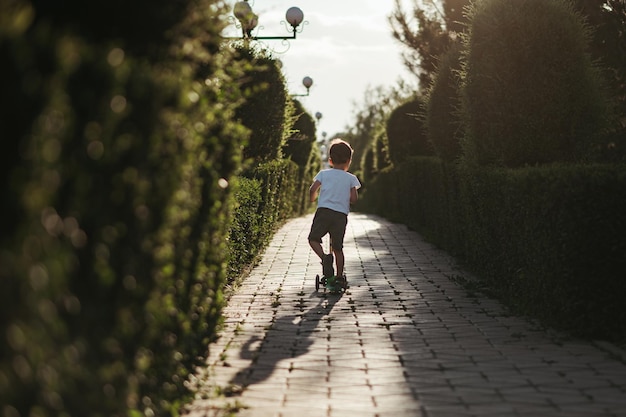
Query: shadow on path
{"points": [[288, 337]]}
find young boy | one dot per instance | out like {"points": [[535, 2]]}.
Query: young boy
{"points": [[337, 189]]}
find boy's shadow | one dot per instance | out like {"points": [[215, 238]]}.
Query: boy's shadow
{"points": [[288, 337]]}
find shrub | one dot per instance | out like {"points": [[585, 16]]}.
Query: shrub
{"points": [[114, 259], [302, 148], [405, 132], [302, 137], [245, 235], [550, 241], [531, 94], [374, 158], [443, 124], [266, 108], [265, 196]]}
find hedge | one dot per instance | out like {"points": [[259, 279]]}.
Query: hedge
{"points": [[548, 240], [266, 196], [117, 157], [531, 93]]}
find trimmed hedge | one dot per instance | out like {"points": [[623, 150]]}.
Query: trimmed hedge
{"points": [[406, 133], [557, 234], [301, 148], [443, 117], [265, 196], [267, 108], [531, 93], [118, 158], [548, 240]]}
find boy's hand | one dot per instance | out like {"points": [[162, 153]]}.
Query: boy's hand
{"points": [[313, 190], [354, 195]]}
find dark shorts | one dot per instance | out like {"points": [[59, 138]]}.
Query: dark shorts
{"points": [[331, 222]]}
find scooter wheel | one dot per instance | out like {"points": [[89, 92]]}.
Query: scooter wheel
{"points": [[317, 282]]}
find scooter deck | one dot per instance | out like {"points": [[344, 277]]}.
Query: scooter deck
{"points": [[335, 286]]}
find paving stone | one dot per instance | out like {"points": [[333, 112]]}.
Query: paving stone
{"points": [[404, 340]]}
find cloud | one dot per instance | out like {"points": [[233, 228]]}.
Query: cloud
{"points": [[346, 47]]}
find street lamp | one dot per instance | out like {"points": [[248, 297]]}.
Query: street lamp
{"points": [[307, 82], [249, 21]]}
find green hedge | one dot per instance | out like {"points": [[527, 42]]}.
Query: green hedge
{"points": [[548, 240], [267, 109], [557, 234], [443, 118], [266, 196], [531, 93], [302, 148], [406, 133], [117, 156]]}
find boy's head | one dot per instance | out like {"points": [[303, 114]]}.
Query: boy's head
{"points": [[340, 152]]}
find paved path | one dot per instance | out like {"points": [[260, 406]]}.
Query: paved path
{"points": [[404, 340]]}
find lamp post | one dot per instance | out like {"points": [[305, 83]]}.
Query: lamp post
{"points": [[249, 21], [307, 82]]}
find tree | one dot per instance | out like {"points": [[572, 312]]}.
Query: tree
{"points": [[427, 34]]}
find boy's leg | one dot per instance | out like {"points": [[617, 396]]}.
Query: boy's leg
{"points": [[337, 234], [339, 259], [327, 259], [318, 229], [317, 248]]}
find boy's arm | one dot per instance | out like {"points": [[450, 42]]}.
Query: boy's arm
{"points": [[313, 190], [354, 195]]}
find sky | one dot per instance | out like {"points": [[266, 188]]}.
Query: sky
{"points": [[345, 47]]}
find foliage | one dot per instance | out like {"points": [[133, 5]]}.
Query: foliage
{"points": [[531, 94], [443, 119], [302, 139], [374, 159], [548, 240], [267, 107], [265, 196], [371, 115], [406, 135], [303, 149], [244, 240], [424, 36], [555, 233], [117, 155], [608, 46]]}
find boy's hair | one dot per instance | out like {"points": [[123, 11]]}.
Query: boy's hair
{"points": [[340, 151]]}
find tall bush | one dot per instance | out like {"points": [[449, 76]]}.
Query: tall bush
{"points": [[121, 150], [302, 148], [443, 119], [531, 93], [265, 196], [301, 139], [374, 158], [267, 107], [406, 135]]}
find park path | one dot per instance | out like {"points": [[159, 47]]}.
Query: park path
{"points": [[404, 340]]}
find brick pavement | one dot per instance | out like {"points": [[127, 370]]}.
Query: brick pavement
{"points": [[404, 340]]}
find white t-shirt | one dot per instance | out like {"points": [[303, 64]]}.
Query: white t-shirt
{"points": [[335, 189]]}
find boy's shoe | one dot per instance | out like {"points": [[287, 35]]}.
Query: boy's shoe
{"points": [[333, 284], [327, 265], [343, 282]]}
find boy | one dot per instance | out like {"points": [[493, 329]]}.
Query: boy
{"points": [[337, 189]]}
